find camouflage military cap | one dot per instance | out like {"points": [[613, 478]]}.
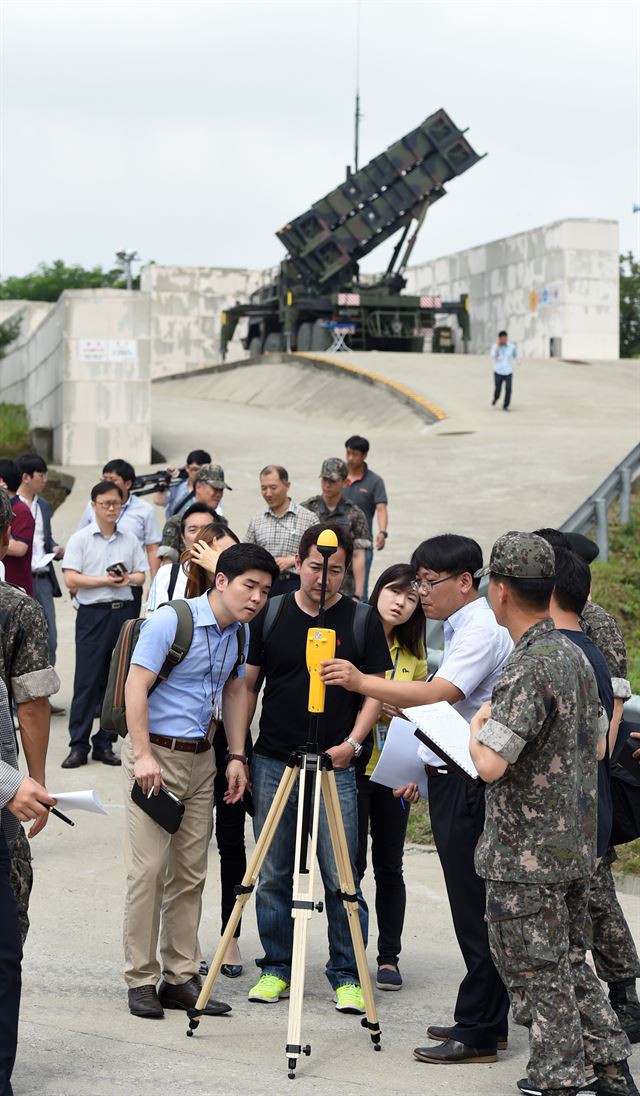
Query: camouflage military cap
{"points": [[213, 474], [334, 468], [520, 555]]}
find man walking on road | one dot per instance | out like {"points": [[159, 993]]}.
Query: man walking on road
{"points": [[504, 355]]}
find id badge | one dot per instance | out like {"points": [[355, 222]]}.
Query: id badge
{"points": [[381, 735]]}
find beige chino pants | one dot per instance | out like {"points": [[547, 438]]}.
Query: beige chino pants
{"points": [[166, 872]]}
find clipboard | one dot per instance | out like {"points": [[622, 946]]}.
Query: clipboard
{"points": [[440, 727]]}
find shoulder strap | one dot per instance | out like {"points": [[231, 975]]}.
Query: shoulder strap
{"points": [[360, 622], [241, 657], [275, 605], [181, 643], [173, 578]]}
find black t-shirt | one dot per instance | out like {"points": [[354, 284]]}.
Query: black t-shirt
{"points": [[605, 692], [284, 722]]}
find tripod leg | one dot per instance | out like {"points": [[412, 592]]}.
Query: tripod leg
{"points": [[302, 905], [245, 890], [350, 902]]}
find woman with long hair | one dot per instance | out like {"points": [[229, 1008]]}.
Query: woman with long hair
{"points": [[396, 599]]}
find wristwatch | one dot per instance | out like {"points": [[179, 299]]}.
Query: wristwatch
{"points": [[237, 757], [384, 533], [355, 746]]}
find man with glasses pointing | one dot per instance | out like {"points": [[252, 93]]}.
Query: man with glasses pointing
{"points": [[475, 650], [101, 564]]}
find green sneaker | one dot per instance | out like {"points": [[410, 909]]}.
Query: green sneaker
{"points": [[269, 989], [349, 998]]}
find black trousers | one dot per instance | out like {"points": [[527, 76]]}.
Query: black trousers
{"points": [[10, 972], [229, 822], [380, 811], [499, 379], [457, 819], [97, 629]]}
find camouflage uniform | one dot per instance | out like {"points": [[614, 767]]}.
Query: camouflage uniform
{"points": [[538, 846], [346, 514], [605, 633], [27, 674]]}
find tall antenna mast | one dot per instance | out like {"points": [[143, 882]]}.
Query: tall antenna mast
{"points": [[358, 115]]}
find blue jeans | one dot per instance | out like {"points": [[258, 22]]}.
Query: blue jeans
{"points": [[275, 885]]}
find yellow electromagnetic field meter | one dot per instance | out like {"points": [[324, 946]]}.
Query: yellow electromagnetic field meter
{"points": [[321, 644], [321, 641]]}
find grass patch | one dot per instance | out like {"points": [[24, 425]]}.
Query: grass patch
{"points": [[616, 584], [14, 430], [419, 825], [628, 862]]}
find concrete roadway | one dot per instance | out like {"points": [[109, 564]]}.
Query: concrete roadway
{"points": [[534, 465]]}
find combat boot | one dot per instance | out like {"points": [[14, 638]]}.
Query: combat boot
{"points": [[624, 1002], [608, 1087]]}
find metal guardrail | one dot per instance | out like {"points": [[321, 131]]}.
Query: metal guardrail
{"points": [[595, 510]]}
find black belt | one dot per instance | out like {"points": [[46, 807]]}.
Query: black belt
{"points": [[106, 604], [181, 745], [437, 770]]}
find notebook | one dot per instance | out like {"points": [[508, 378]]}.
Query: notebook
{"points": [[444, 731]]}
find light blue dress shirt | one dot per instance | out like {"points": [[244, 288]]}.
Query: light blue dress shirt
{"points": [[90, 552], [182, 706], [504, 356]]}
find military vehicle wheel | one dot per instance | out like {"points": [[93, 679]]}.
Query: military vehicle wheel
{"points": [[273, 342], [320, 337], [305, 334], [255, 347]]}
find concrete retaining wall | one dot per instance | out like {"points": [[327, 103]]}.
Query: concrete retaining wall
{"points": [[560, 282], [83, 374]]}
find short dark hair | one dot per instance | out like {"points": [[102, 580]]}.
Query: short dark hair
{"points": [[6, 511], [410, 635], [573, 581], [554, 537], [235, 561], [120, 468], [199, 508], [198, 456], [449, 552], [29, 463], [10, 474], [501, 333], [534, 593], [309, 539], [104, 486], [358, 443], [282, 473]]}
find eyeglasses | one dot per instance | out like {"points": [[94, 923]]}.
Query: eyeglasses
{"points": [[427, 584], [110, 505]]}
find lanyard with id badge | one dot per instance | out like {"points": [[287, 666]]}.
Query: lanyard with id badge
{"points": [[381, 728]]}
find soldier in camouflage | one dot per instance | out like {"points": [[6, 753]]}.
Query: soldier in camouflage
{"points": [[536, 745], [30, 680], [208, 488], [614, 952], [331, 505]]}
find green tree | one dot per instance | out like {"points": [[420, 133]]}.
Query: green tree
{"points": [[9, 330], [629, 306], [48, 281]]}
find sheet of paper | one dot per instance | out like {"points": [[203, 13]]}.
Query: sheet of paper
{"points": [[44, 561], [446, 727], [79, 801], [399, 763]]}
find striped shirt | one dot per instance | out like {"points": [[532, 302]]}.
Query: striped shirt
{"points": [[280, 533], [10, 778]]}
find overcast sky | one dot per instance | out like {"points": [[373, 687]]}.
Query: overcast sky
{"points": [[193, 130]]}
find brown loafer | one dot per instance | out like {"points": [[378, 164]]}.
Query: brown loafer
{"points": [[186, 995], [442, 1033], [453, 1053], [143, 1002]]}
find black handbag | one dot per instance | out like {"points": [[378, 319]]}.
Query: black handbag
{"points": [[625, 787]]}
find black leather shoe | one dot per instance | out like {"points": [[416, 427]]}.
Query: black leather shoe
{"points": [[453, 1053], [231, 970], [107, 757], [143, 1002], [74, 759], [442, 1033], [186, 995]]}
